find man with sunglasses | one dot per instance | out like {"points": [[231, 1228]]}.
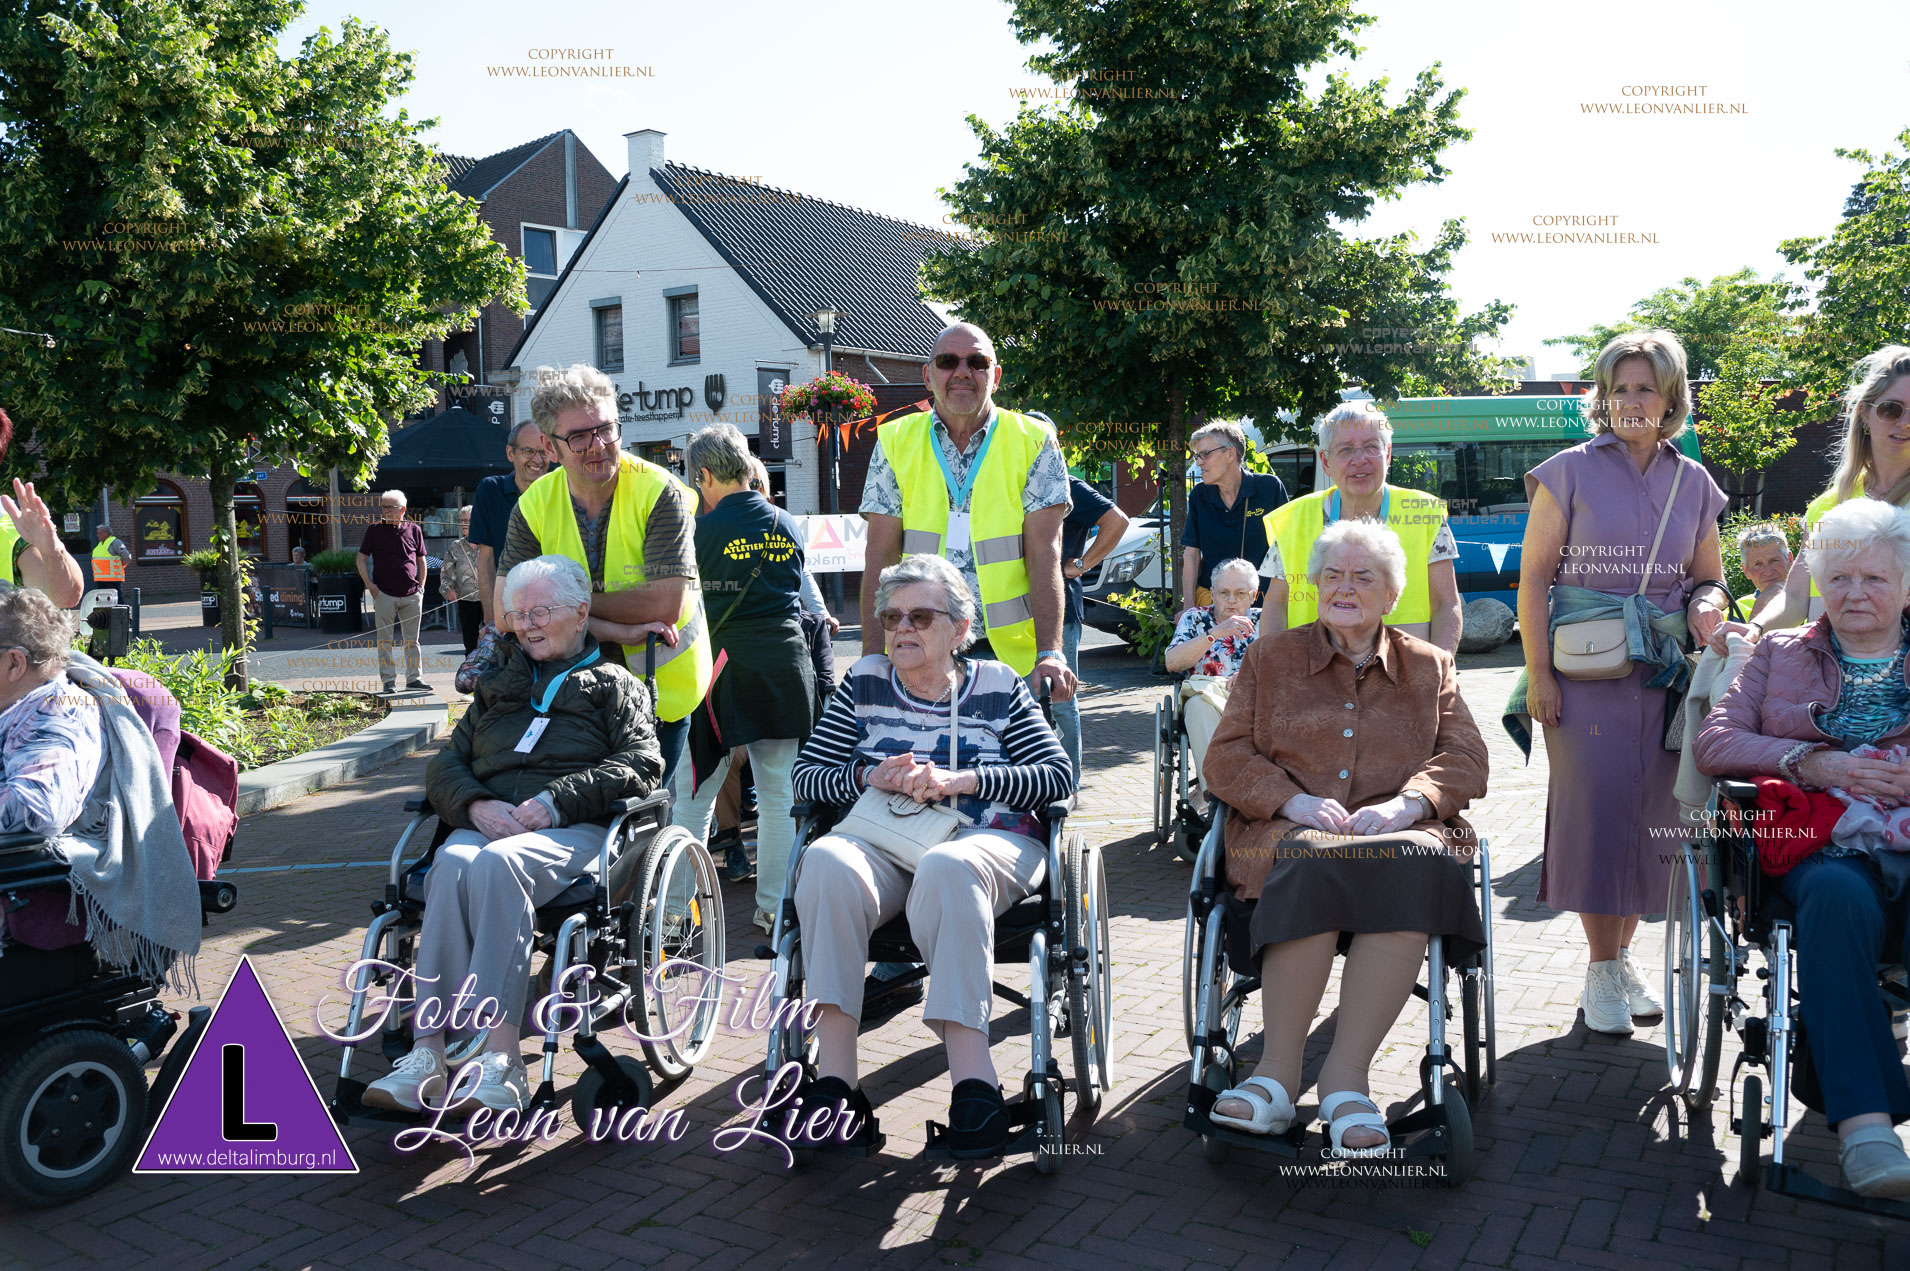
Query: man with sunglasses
{"points": [[986, 489], [630, 525]]}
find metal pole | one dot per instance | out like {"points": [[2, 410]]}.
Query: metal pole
{"points": [[830, 456]]}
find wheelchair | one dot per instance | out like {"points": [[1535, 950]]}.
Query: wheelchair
{"points": [[1177, 819], [78, 1034], [1059, 932], [1219, 976], [1720, 907]]}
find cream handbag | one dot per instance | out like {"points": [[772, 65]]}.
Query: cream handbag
{"points": [[903, 828], [1597, 649]]}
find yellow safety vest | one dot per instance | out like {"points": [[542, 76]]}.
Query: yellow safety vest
{"points": [[683, 672], [1412, 514], [107, 568], [8, 537], [994, 517], [1812, 515]]}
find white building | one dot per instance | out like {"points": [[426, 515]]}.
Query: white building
{"points": [[696, 293]]}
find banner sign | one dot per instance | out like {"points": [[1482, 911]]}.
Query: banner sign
{"points": [[772, 430], [833, 544]]}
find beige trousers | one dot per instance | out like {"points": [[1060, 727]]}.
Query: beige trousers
{"points": [[402, 612], [845, 889]]}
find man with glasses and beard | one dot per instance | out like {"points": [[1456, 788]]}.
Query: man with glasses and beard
{"points": [[985, 488], [630, 525]]}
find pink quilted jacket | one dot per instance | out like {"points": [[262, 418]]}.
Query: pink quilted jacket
{"points": [[1790, 680]]}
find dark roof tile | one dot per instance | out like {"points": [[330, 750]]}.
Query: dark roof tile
{"points": [[481, 176]]}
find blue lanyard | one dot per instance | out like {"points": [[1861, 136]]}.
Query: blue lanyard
{"points": [[1333, 504], [958, 494], [543, 707]]}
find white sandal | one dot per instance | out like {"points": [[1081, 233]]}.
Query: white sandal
{"points": [[1272, 1110], [1337, 1126]]}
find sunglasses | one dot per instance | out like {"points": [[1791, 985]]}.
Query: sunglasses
{"points": [[1890, 412], [919, 619], [976, 361]]}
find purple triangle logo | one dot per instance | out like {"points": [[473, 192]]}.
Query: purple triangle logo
{"points": [[245, 1104]]}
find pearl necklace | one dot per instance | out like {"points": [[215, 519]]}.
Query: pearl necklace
{"points": [[1877, 676]]}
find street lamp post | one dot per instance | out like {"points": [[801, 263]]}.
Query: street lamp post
{"points": [[826, 329]]}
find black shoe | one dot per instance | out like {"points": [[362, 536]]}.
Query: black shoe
{"points": [[391, 686], [832, 1092], [977, 1119], [417, 686], [736, 866]]}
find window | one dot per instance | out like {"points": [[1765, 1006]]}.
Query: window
{"points": [[610, 338], [245, 508], [686, 338], [305, 518], [159, 524], [540, 265]]}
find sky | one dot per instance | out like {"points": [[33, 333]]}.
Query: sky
{"points": [[866, 102]]}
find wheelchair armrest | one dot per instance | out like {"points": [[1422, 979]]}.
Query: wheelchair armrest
{"points": [[1738, 791], [419, 805], [655, 799], [1060, 810], [21, 842]]}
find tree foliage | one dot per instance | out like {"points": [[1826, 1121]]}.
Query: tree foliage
{"points": [[1709, 318], [1169, 246], [236, 254]]}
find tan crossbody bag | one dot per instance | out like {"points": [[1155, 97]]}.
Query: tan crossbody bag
{"points": [[1596, 649]]}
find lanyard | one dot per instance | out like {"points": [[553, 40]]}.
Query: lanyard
{"points": [[543, 707], [1333, 504], [958, 494]]}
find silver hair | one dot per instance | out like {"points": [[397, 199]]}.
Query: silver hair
{"points": [[1225, 430], [579, 384], [32, 623], [566, 577], [466, 510], [1849, 528], [1758, 535], [1238, 565], [1379, 542], [395, 494], [722, 449], [922, 568], [1355, 413]]}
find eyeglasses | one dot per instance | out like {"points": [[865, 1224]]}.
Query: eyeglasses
{"points": [[1890, 412], [536, 616], [919, 619], [976, 361], [583, 440], [1371, 450], [1202, 456]]}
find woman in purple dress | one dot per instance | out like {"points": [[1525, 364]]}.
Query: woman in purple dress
{"points": [[1611, 821]]}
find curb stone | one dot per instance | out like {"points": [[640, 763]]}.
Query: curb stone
{"points": [[405, 729]]}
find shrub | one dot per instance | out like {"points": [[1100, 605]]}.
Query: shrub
{"points": [[1155, 614], [337, 560]]}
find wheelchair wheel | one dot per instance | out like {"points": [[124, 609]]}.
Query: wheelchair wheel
{"points": [[676, 944], [72, 1114], [1460, 1160], [1705, 1089], [1686, 981], [1165, 782], [1048, 1140], [1218, 1077], [1469, 1023], [1192, 942], [595, 1096], [1090, 979], [1751, 1134]]}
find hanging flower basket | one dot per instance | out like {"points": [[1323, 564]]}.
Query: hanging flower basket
{"points": [[832, 396]]}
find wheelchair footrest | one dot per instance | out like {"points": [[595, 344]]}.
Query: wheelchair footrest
{"points": [[1024, 1124], [348, 1108], [1789, 1180], [1426, 1126]]}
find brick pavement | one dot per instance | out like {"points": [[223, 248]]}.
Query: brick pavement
{"points": [[1582, 1160]]}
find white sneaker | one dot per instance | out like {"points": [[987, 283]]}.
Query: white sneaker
{"points": [[1604, 999], [416, 1077], [1637, 990], [502, 1083]]}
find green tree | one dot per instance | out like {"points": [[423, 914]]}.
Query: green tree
{"points": [[1167, 247], [236, 254], [1857, 293], [1742, 421], [1709, 318]]}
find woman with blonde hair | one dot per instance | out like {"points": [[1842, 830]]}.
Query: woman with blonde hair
{"points": [[1873, 459], [1622, 526]]}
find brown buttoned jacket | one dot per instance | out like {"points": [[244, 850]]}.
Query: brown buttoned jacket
{"points": [[1297, 722]]}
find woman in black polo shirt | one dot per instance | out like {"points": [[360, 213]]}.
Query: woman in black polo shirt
{"points": [[1225, 513], [749, 557]]}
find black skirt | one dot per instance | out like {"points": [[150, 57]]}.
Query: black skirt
{"points": [[1396, 882]]}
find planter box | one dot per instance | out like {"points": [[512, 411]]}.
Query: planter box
{"points": [[208, 605], [339, 599]]}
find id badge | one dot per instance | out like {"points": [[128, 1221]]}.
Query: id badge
{"points": [[531, 734], [957, 537]]}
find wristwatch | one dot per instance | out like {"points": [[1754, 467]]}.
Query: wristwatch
{"points": [[1045, 654], [1079, 564]]}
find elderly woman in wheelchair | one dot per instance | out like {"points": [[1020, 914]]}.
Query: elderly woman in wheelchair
{"points": [[887, 729], [1827, 707], [555, 737], [1345, 756]]}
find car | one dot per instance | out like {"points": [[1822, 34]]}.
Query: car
{"points": [[1134, 564]]}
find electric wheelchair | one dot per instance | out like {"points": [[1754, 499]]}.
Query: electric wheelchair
{"points": [[1720, 907], [1177, 792], [652, 912], [1059, 932], [1219, 975]]}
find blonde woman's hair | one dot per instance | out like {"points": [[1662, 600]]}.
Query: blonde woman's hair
{"points": [[1870, 379], [1666, 355], [579, 384]]}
